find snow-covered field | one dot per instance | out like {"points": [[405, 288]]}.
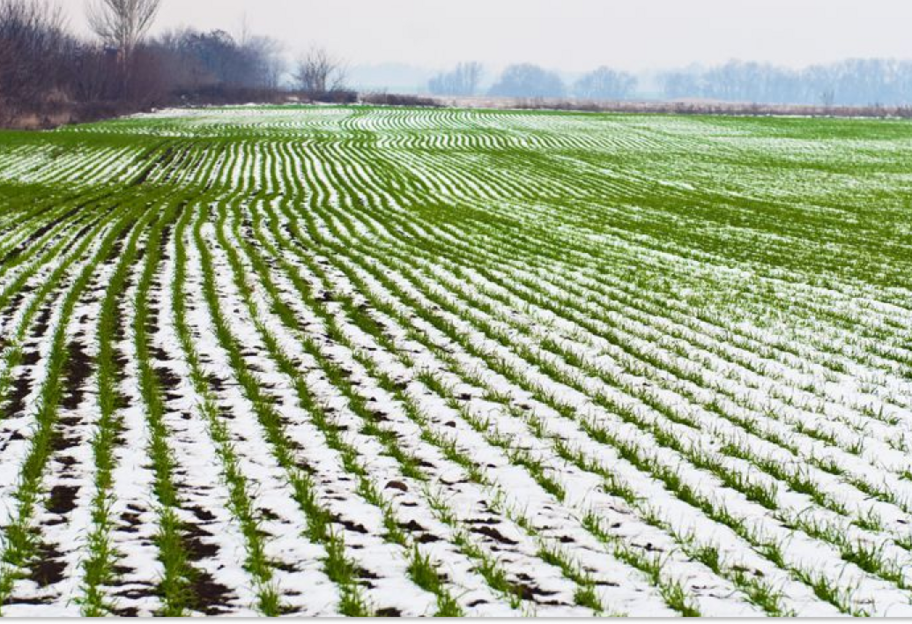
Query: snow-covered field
{"points": [[346, 361]]}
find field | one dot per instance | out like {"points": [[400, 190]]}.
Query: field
{"points": [[324, 361]]}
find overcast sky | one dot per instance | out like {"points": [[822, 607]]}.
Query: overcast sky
{"points": [[566, 34]]}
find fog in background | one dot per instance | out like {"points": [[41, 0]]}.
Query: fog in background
{"points": [[60, 63], [569, 35], [819, 52]]}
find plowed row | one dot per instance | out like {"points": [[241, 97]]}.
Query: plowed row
{"points": [[393, 362]]}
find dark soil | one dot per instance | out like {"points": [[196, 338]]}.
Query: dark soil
{"points": [[79, 368], [62, 499], [48, 568]]}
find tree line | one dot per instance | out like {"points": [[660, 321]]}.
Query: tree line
{"points": [[47, 70], [531, 81], [854, 82]]}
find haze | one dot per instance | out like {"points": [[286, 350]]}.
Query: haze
{"points": [[571, 35]]}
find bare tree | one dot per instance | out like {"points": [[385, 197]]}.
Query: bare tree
{"points": [[243, 35], [122, 24], [464, 80], [605, 84], [318, 72], [266, 56], [528, 81], [33, 49], [852, 82]]}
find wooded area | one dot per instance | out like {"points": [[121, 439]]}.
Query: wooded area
{"points": [[49, 76]]}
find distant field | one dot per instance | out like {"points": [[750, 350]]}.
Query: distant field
{"points": [[325, 361]]}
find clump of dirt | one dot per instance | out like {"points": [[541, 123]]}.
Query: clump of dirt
{"points": [[131, 522], [167, 378], [529, 592], [48, 567], [350, 525], [31, 358], [78, 370], [216, 383], [125, 612], [22, 388], [196, 548], [203, 515], [62, 440], [120, 359], [494, 534], [62, 499], [42, 322], [210, 597]]}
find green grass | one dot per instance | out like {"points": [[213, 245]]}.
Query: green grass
{"points": [[599, 335]]}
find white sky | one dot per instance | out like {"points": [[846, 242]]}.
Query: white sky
{"points": [[565, 34]]}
